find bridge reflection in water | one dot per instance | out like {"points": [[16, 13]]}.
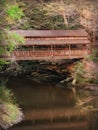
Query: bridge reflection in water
{"points": [[49, 108]]}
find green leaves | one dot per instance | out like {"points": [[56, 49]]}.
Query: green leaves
{"points": [[2, 49], [10, 114], [2, 63], [93, 56], [12, 40], [8, 42], [10, 12], [14, 12], [78, 74], [5, 95]]}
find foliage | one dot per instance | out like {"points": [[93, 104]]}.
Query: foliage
{"points": [[78, 74], [8, 44], [81, 75], [93, 56], [12, 39], [14, 12], [41, 16], [2, 63], [6, 95], [9, 14], [65, 10], [63, 14], [9, 112]]}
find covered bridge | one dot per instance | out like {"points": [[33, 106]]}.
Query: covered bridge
{"points": [[52, 45]]}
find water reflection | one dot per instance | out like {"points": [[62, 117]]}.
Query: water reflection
{"points": [[47, 107], [37, 96]]}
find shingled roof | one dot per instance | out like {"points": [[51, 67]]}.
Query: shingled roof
{"points": [[52, 33], [56, 42]]}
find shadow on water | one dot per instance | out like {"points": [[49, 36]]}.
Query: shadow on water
{"points": [[47, 107]]}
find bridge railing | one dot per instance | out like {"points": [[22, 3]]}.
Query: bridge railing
{"points": [[44, 55]]}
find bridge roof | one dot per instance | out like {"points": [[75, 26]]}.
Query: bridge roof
{"points": [[52, 33], [56, 42]]}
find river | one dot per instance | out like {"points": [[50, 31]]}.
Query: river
{"points": [[48, 107]]}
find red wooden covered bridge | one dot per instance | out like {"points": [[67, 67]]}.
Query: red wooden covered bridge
{"points": [[51, 45]]}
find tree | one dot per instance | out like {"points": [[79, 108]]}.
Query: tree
{"points": [[64, 9], [58, 14]]}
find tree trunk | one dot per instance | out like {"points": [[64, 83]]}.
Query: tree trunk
{"points": [[64, 14]]}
